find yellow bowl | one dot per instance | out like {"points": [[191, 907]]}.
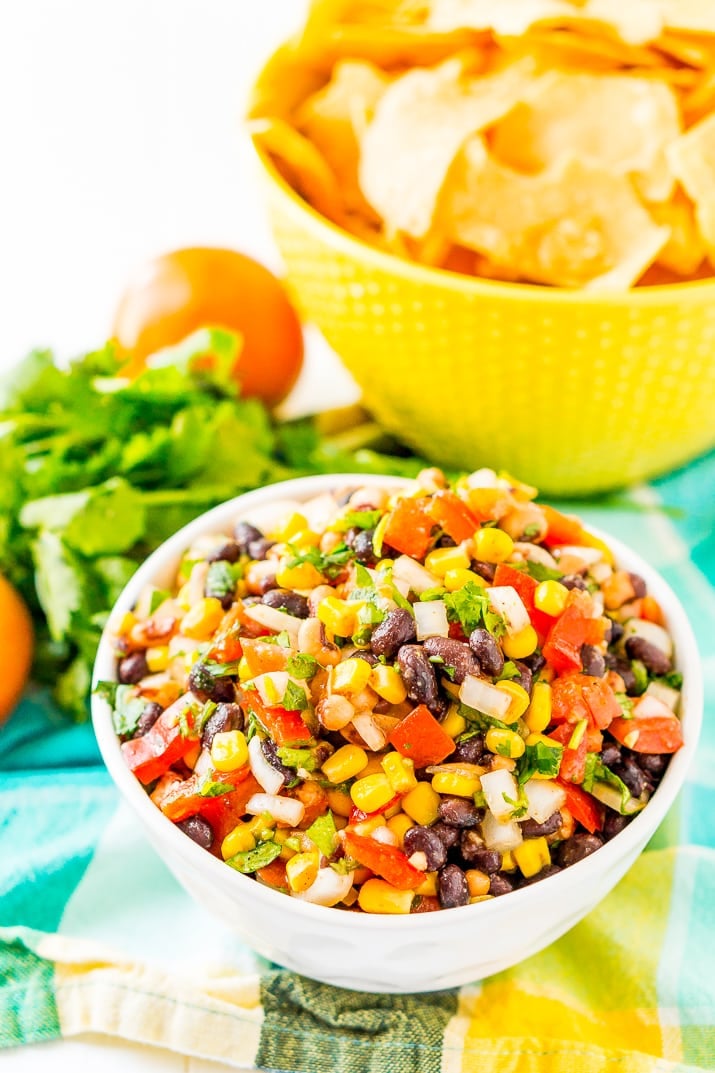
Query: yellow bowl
{"points": [[575, 392]]}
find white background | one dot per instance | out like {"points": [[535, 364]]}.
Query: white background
{"points": [[120, 137]]}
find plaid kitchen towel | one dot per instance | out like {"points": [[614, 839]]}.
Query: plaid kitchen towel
{"points": [[96, 935]]}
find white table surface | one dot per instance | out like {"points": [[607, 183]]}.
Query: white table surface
{"points": [[119, 139]]}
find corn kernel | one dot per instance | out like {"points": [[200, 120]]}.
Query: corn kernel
{"points": [[520, 645], [504, 743], [350, 676], [428, 887], [202, 619], [340, 803], [457, 579], [448, 782], [374, 765], [478, 883], [531, 856], [519, 700], [508, 863], [492, 545], [289, 526], [302, 576], [538, 715], [157, 659], [367, 827], [399, 825], [338, 616], [124, 624], [439, 561], [372, 792], [240, 839], [261, 825], [550, 597], [422, 804], [244, 669], [345, 763], [377, 896], [302, 870], [182, 597], [388, 684], [453, 723], [229, 750], [306, 538], [400, 772]]}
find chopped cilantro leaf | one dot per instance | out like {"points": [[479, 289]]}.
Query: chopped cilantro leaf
{"points": [[541, 759], [470, 607], [509, 670], [358, 519], [542, 573], [294, 698], [330, 565], [251, 860], [220, 580], [302, 666], [157, 599], [297, 758]]}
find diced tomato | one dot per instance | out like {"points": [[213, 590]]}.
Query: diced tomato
{"points": [[285, 727], [227, 810], [525, 586], [571, 630], [409, 528], [456, 632], [358, 816], [420, 737], [226, 647], [573, 761], [274, 874], [562, 529], [453, 516], [261, 657], [386, 861], [577, 696], [585, 809], [154, 753], [648, 733], [601, 701], [184, 799]]}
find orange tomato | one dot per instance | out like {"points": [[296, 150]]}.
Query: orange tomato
{"points": [[16, 645], [174, 295]]}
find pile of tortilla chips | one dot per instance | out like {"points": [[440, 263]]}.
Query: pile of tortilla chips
{"points": [[561, 142]]}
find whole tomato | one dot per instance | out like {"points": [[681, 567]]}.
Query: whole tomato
{"points": [[177, 293]]}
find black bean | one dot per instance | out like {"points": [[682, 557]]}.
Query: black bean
{"points": [[485, 570], [418, 676], [535, 662], [149, 716], [592, 661], [446, 541], [270, 751], [453, 889], [487, 651], [456, 655], [245, 534], [653, 764], [449, 836], [458, 812], [500, 884], [229, 552], [367, 656], [198, 830], [266, 584], [653, 658], [285, 600], [258, 549], [631, 775], [531, 829], [573, 581], [362, 546], [424, 840], [622, 667], [576, 848], [471, 843], [486, 860], [207, 686], [470, 751], [639, 586], [610, 754], [550, 870], [615, 632], [613, 824], [524, 678], [226, 717], [396, 629], [132, 668]]}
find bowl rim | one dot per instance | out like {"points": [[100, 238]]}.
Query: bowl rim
{"points": [[164, 832], [324, 230]]}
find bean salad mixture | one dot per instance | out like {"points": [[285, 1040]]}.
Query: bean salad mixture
{"points": [[398, 701]]}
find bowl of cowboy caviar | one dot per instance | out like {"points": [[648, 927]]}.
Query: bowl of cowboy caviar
{"points": [[397, 734]]}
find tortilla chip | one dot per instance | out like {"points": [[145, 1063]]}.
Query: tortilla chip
{"points": [[585, 52], [692, 159], [685, 250], [575, 225], [300, 164], [419, 126], [700, 102], [612, 120], [695, 16]]}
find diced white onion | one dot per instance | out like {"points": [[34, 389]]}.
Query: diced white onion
{"points": [[402, 586], [265, 774], [385, 836], [497, 786], [589, 556], [536, 554], [287, 810], [197, 582], [597, 604], [600, 571], [328, 888], [482, 478], [469, 771], [370, 732], [651, 632], [666, 694], [431, 619], [414, 574], [271, 686], [506, 601], [649, 707], [501, 836], [544, 797], [478, 693], [273, 619], [180, 645], [203, 764]]}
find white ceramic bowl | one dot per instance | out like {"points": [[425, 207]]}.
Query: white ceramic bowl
{"points": [[424, 952]]}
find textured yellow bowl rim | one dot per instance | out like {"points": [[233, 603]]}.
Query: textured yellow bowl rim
{"points": [[329, 233]]}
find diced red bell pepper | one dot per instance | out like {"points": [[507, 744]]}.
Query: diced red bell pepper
{"points": [[285, 727], [409, 528], [456, 632], [358, 816], [184, 799], [571, 630], [525, 586], [585, 809], [453, 516], [573, 761], [226, 811], [156, 751], [562, 529], [226, 647], [386, 861], [652, 729], [274, 874], [420, 737]]}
